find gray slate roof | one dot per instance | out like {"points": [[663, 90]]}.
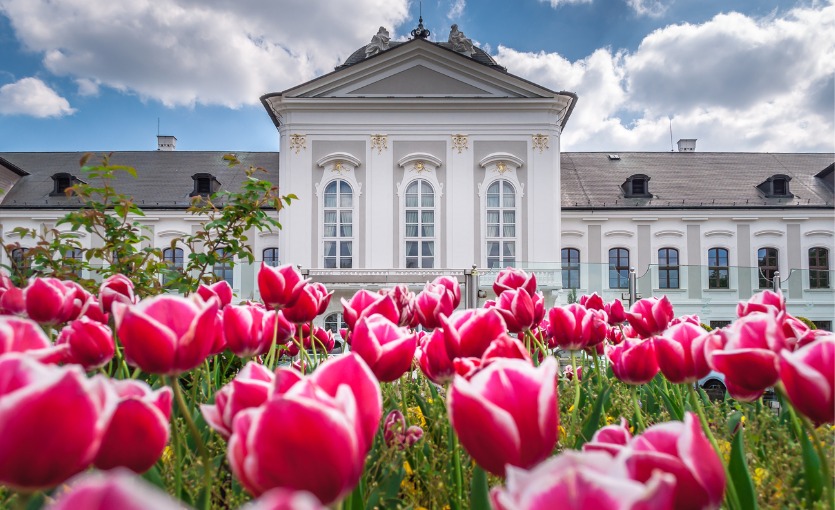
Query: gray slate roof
{"points": [[692, 179], [163, 177]]}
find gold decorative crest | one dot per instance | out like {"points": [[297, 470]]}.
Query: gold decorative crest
{"points": [[501, 167], [379, 142], [540, 142], [460, 142], [297, 143], [338, 168], [419, 167]]}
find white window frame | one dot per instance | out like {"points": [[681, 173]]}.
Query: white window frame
{"points": [[501, 166], [338, 166], [420, 166]]}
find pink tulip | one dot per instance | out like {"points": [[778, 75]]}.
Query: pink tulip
{"points": [[512, 278], [587, 480], [808, 375], [19, 335], [285, 499], [453, 288], [592, 302], [746, 352], [432, 303], [141, 413], [505, 346], [680, 352], [114, 490], [167, 334], [249, 330], [365, 303], [574, 327], [506, 414], [322, 338], [682, 450], [610, 439], [250, 388], [52, 421], [220, 290], [765, 301], [633, 361], [279, 286], [89, 343], [13, 302], [312, 301], [117, 288], [404, 301], [81, 301], [49, 300], [468, 333], [387, 348], [650, 316], [520, 310], [568, 372], [433, 358], [396, 434], [615, 314], [286, 441]]}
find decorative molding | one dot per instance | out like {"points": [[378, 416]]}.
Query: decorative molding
{"points": [[540, 142], [460, 142], [501, 157], [419, 157], [769, 232], [298, 143], [619, 233], [343, 165], [719, 233], [669, 233], [594, 218], [572, 233], [745, 218], [795, 218], [172, 233], [340, 159], [644, 218], [379, 142], [72, 234], [694, 218], [819, 233]]}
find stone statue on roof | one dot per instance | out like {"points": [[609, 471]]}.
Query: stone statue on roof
{"points": [[380, 42], [460, 43]]}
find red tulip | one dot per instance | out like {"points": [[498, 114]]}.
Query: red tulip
{"points": [[167, 334], [433, 302], [19, 335], [765, 301], [650, 316], [520, 310], [682, 450], [633, 361], [49, 300], [286, 441], [587, 480], [81, 301], [141, 413], [365, 303], [279, 286], [396, 434], [387, 348], [313, 300], [568, 372], [114, 490], [249, 330], [433, 358], [453, 288], [285, 499], [51, 421], [574, 327], [505, 346], [89, 343], [250, 388], [506, 414], [13, 302], [512, 278], [615, 314], [322, 338], [220, 290], [117, 288], [404, 301], [746, 352], [680, 352], [610, 439], [592, 302], [468, 333], [808, 375]]}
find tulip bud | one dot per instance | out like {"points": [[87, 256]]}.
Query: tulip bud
{"points": [[592, 302], [90, 343], [311, 301], [433, 302], [633, 361], [512, 278], [468, 333], [365, 303], [520, 310], [387, 348], [249, 330], [650, 316], [279, 286], [117, 489], [765, 301], [453, 288], [433, 359], [49, 300], [221, 290], [404, 301], [574, 327], [116, 289], [250, 388], [680, 353], [808, 374]]}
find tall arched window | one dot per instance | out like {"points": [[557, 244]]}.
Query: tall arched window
{"points": [[618, 268], [767, 263], [570, 268], [718, 276], [420, 225], [173, 258], [21, 262], [338, 225], [500, 223], [818, 268], [271, 256], [668, 270]]}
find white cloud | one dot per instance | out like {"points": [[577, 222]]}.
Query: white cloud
{"points": [[651, 8], [183, 52], [733, 82], [557, 3], [31, 96], [456, 9], [87, 87]]}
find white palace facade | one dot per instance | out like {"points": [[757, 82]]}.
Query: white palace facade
{"points": [[419, 158]]}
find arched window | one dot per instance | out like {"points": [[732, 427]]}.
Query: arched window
{"points": [[223, 266], [173, 258], [718, 276], [668, 269], [618, 268], [570, 268], [21, 262], [271, 257], [767, 265], [500, 224], [420, 225], [338, 225], [818, 268]]}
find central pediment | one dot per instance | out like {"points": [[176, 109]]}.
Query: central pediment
{"points": [[420, 80]]}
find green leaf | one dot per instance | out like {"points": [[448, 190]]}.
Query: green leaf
{"points": [[479, 496], [812, 468], [592, 423], [154, 477], [738, 469], [676, 412]]}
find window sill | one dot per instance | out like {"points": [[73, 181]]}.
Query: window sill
{"points": [[729, 291], [661, 291], [822, 291]]}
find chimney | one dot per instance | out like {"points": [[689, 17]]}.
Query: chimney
{"points": [[166, 143], [687, 145]]}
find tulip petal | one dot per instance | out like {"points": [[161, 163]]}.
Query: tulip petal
{"points": [[157, 352]]}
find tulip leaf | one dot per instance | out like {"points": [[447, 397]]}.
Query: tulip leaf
{"points": [[479, 497], [738, 469], [813, 469], [675, 411], [592, 423], [154, 477]]}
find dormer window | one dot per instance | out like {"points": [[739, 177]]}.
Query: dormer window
{"points": [[204, 185], [636, 186], [776, 186], [61, 182]]}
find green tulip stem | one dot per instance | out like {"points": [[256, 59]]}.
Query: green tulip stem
{"points": [[827, 475], [731, 497], [576, 385], [459, 481], [313, 344], [198, 440], [22, 500], [271, 355], [639, 415], [539, 345]]}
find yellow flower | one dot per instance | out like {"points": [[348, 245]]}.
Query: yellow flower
{"points": [[609, 420], [563, 434], [725, 449], [415, 415], [407, 468], [167, 454], [759, 475], [571, 408]]}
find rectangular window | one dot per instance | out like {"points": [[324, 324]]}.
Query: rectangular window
{"points": [[824, 325], [719, 324], [223, 268], [767, 265], [818, 268], [570, 268], [668, 269], [618, 268], [718, 269]]}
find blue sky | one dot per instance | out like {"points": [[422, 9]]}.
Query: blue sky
{"points": [[97, 74]]}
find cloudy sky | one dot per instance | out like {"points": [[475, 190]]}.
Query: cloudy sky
{"points": [[739, 75]]}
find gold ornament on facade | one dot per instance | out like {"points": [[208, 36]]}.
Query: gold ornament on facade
{"points": [[540, 142], [419, 167], [297, 143], [501, 167], [460, 142], [338, 168], [379, 142]]}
